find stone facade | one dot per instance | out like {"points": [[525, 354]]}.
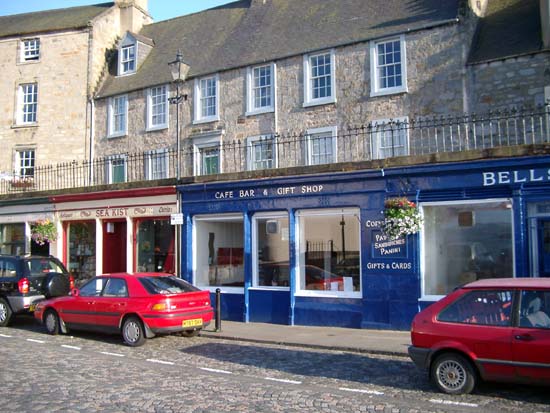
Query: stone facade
{"points": [[67, 73]]}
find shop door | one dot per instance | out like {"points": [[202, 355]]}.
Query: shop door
{"points": [[544, 247], [114, 246]]}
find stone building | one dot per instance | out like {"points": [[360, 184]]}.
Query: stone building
{"points": [[51, 63]]}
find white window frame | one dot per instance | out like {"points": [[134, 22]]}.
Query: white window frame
{"points": [[30, 50], [255, 275], [110, 161], [208, 141], [251, 108], [376, 136], [125, 59], [376, 89], [312, 134], [308, 90], [422, 236], [213, 217], [160, 155], [152, 105], [250, 158], [299, 240], [198, 117], [112, 133], [20, 169], [23, 114]]}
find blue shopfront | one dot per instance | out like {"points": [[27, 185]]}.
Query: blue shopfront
{"points": [[309, 249]]}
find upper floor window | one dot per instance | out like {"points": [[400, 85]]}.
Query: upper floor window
{"points": [[24, 163], [319, 79], [157, 108], [260, 89], [261, 153], [30, 50], [206, 99], [390, 137], [156, 166], [208, 154], [321, 146], [116, 169], [127, 59], [388, 66], [28, 103], [118, 116]]}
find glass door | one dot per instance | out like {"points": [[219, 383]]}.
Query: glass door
{"points": [[543, 229]]}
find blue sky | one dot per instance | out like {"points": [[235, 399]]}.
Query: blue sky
{"points": [[159, 9]]}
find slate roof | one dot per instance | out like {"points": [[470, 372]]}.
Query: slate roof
{"points": [[50, 20], [246, 32], [510, 28]]}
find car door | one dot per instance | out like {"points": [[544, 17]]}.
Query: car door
{"points": [[79, 311], [111, 305], [531, 339]]}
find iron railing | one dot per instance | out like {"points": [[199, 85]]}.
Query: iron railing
{"points": [[396, 137]]}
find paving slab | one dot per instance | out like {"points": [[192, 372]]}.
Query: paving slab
{"points": [[346, 339]]}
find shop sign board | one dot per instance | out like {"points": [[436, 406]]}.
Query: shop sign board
{"points": [[117, 212], [176, 219]]}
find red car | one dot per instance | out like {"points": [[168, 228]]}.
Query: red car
{"points": [[138, 306], [492, 329]]}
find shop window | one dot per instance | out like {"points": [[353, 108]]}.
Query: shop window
{"points": [[81, 250], [12, 239], [328, 243], [464, 242], [270, 257], [155, 246], [219, 251]]}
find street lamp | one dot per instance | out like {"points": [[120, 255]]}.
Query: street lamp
{"points": [[179, 70]]}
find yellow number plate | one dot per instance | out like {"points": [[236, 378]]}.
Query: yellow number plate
{"points": [[32, 307], [195, 322]]}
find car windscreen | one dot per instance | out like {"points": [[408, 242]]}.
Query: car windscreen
{"points": [[166, 285], [38, 267]]}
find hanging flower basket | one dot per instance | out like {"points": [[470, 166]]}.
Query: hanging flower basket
{"points": [[402, 217], [43, 231]]}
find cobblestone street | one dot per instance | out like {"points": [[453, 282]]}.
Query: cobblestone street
{"points": [[89, 372]]}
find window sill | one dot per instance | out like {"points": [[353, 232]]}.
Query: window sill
{"points": [[206, 120], [225, 290], [28, 62], [268, 288], [25, 125], [319, 102], [386, 92], [117, 135], [126, 74], [156, 128], [431, 298], [328, 294], [260, 111]]}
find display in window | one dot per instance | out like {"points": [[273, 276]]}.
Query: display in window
{"points": [[155, 246], [329, 250], [82, 250], [464, 242], [12, 239], [219, 251]]}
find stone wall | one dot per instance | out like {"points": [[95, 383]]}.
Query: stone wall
{"points": [[60, 132], [436, 78], [509, 83]]}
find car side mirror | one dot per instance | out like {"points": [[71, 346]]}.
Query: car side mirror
{"points": [[75, 292]]}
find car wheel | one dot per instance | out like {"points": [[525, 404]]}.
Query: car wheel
{"points": [[51, 322], [190, 333], [133, 332], [5, 313], [453, 374]]}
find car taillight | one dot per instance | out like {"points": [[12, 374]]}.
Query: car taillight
{"points": [[71, 282], [23, 285], [159, 307]]}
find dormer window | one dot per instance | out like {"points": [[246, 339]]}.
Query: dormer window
{"points": [[127, 59], [30, 50]]}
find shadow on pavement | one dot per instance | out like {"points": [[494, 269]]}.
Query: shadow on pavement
{"points": [[399, 373]]}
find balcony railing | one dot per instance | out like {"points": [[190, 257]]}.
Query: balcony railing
{"points": [[399, 137]]}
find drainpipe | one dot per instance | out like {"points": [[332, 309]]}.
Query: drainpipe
{"points": [[92, 153], [545, 22]]}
